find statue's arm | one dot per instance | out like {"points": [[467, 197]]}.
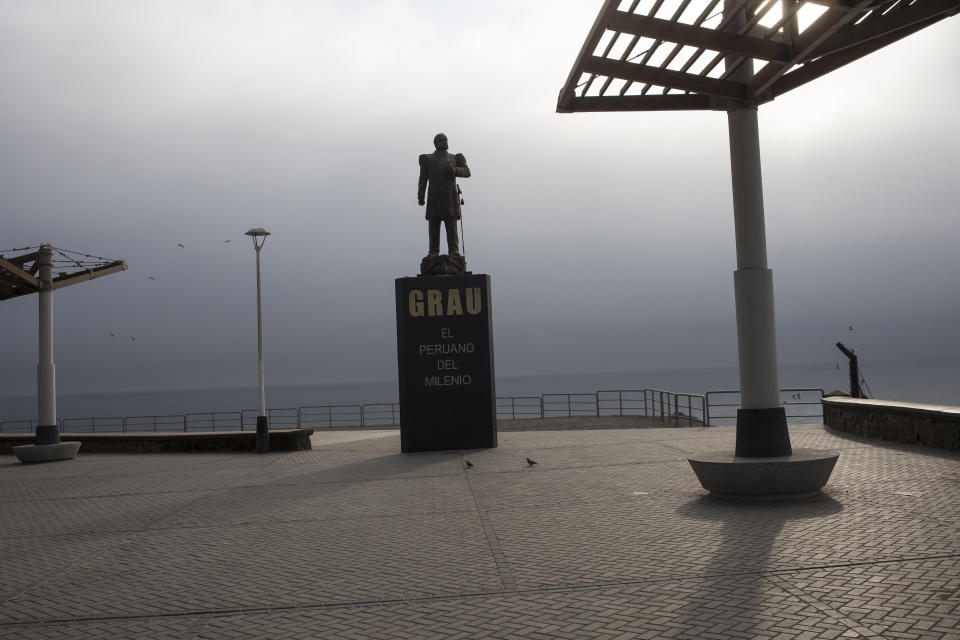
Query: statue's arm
{"points": [[422, 183], [461, 168]]}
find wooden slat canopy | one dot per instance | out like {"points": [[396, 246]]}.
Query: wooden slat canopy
{"points": [[645, 55], [18, 275]]}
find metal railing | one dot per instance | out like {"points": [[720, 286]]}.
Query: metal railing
{"points": [[668, 406], [519, 407], [556, 405], [135, 424], [715, 408], [331, 415], [688, 408], [800, 404], [353, 415], [22, 425], [89, 425]]}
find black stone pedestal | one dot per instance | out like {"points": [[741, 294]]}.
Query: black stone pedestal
{"points": [[263, 435], [445, 362], [47, 434], [762, 433]]}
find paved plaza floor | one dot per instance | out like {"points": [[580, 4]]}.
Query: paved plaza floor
{"points": [[608, 536]]}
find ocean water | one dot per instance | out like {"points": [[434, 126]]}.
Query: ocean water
{"points": [[931, 383]]}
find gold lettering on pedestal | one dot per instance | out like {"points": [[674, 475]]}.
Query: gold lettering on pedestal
{"points": [[434, 302], [415, 302], [453, 303], [447, 381], [473, 300], [436, 306]]}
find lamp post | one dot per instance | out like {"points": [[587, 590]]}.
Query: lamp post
{"points": [[259, 236]]}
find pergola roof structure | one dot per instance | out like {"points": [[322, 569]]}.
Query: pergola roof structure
{"points": [[18, 275], [654, 55]]}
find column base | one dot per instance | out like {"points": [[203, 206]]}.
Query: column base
{"points": [[263, 435], [800, 475], [762, 433], [29, 453]]}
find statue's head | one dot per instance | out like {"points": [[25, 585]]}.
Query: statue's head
{"points": [[440, 142]]}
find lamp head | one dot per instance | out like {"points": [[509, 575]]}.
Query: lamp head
{"points": [[259, 236]]}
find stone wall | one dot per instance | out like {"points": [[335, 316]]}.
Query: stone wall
{"points": [[932, 425]]}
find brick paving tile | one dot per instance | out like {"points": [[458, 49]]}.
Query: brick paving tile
{"points": [[723, 608], [608, 536], [910, 599]]}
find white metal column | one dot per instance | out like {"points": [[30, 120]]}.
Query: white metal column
{"points": [[753, 280], [47, 432], [761, 421]]}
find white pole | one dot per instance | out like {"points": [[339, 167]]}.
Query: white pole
{"points": [[263, 404], [753, 280], [47, 431], [761, 421]]}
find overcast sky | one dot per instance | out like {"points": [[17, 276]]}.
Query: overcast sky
{"points": [[129, 126]]}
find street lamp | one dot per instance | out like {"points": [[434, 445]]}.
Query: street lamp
{"points": [[259, 236]]}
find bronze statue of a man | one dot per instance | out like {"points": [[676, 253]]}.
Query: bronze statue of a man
{"points": [[438, 182]]}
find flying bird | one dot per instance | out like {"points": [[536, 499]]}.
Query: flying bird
{"points": [[180, 244], [850, 328], [225, 241], [531, 462], [837, 366], [113, 335], [152, 277], [133, 338], [468, 463]]}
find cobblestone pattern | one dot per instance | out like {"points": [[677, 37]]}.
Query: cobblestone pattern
{"points": [[607, 536]]}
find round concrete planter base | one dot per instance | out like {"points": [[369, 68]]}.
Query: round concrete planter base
{"points": [[46, 452], [797, 476]]}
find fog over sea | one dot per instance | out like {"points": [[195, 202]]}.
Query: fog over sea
{"points": [[931, 383]]}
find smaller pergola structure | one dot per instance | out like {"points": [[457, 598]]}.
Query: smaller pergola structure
{"points": [[20, 275], [33, 272], [734, 55]]}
